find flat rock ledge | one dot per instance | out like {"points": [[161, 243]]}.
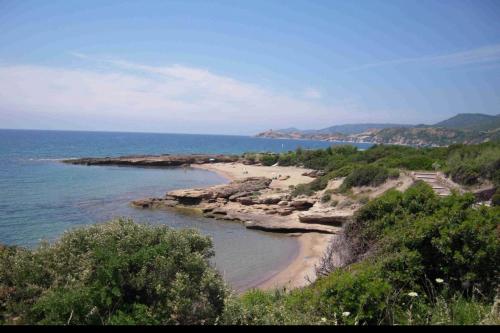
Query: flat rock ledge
{"points": [[328, 218], [154, 160], [251, 202]]}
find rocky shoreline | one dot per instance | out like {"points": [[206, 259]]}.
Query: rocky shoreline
{"points": [[251, 201]]}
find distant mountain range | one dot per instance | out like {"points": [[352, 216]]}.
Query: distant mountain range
{"points": [[462, 128], [471, 121]]}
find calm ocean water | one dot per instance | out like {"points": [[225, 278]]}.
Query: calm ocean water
{"points": [[40, 197]]}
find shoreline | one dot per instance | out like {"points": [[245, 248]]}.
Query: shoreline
{"points": [[299, 266], [300, 271]]}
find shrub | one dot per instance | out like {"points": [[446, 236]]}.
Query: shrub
{"points": [[393, 173], [437, 237], [417, 163], [360, 291], [287, 159], [466, 164], [269, 159], [251, 157], [326, 197], [464, 174], [302, 189], [117, 272], [344, 150], [365, 176], [495, 199]]}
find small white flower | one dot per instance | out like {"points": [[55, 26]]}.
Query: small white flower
{"points": [[323, 319], [438, 280], [346, 314], [412, 294]]}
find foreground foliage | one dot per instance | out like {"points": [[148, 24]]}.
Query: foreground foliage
{"points": [[415, 258], [114, 273], [408, 258]]}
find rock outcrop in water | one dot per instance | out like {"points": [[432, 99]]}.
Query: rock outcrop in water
{"points": [[154, 160], [234, 191], [250, 201]]}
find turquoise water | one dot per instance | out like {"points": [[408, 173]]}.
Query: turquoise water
{"points": [[40, 197]]}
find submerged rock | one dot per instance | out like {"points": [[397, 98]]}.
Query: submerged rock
{"points": [[154, 203], [190, 197]]}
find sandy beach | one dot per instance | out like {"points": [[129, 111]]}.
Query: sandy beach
{"points": [[287, 175], [300, 270]]}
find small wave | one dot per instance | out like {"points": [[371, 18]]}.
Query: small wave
{"points": [[51, 159]]}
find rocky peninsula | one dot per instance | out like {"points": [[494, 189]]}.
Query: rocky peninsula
{"points": [[165, 160]]}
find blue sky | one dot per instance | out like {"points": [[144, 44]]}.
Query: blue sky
{"points": [[240, 67]]}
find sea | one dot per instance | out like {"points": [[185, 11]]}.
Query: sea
{"points": [[41, 198]]}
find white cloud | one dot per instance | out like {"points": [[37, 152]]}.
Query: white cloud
{"points": [[129, 96]]}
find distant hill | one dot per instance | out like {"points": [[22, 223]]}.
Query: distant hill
{"points": [[471, 121], [289, 130], [356, 128], [342, 129], [465, 128]]}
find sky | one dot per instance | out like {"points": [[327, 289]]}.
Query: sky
{"points": [[242, 67]]}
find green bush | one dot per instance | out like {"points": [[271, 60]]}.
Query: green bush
{"points": [[368, 175], [495, 199], [117, 272], [269, 159], [464, 174], [302, 189], [287, 159], [439, 237], [361, 292], [417, 163], [466, 164], [308, 189], [393, 173]]}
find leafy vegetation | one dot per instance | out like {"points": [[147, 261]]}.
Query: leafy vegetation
{"points": [[368, 175], [495, 200], [114, 273], [415, 259], [469, 164]]}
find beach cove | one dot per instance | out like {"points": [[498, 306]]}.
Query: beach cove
{"points": [[312, 240], [43, 198]]}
